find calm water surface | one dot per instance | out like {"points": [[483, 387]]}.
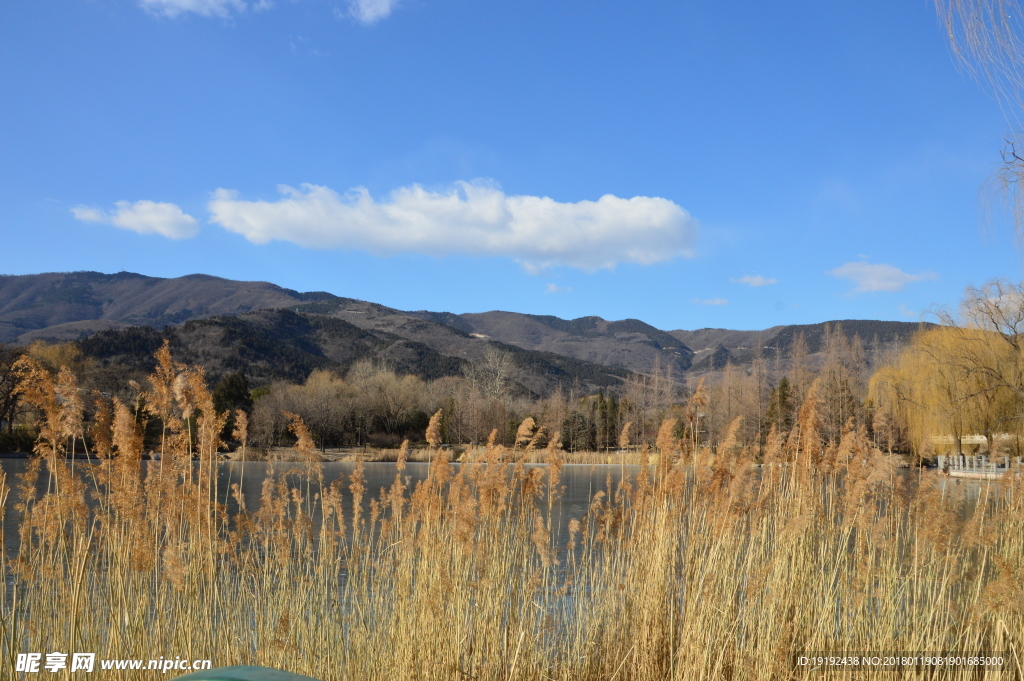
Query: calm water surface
{"points": [[580, 482]]}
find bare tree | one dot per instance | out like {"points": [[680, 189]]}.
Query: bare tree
{"points": [[492, 376], [387, 399], [840, 383], [997, 310], [985, 36], [645, 400], [801, 375]]}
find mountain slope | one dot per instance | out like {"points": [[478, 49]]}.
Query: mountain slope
{"points": [[590, 350], [712, 347], [270, 345], [629, 344], [65, 306]]}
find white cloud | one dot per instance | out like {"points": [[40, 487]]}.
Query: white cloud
{"points": [[754, 280], [907, 312], [371, 11], [872, 278], [471, 219], [144, 217], [710, 301], [555, 288], [206, 8]]}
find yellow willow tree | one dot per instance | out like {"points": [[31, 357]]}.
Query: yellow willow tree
{"points": [[951, 381]]}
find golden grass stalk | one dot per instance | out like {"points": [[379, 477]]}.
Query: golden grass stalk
{"points": [[713, 571]]}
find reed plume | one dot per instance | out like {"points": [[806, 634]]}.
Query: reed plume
{"points": [[704, 570]]}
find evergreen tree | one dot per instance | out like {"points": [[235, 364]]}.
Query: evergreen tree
{"points": [[231, 393], [579, 433], [780, 407]]}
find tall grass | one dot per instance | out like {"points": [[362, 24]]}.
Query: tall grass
{"points": [[702, 566]]}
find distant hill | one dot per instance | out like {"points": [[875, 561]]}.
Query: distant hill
{"points": [[66, 306], [712, 348], [637, 346], [270, 345], [277, 333], [630, 343]]}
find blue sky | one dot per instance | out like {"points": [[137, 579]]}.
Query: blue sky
{"points": [[735, 164]]}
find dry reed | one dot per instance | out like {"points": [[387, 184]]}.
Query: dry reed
{"points": [[711, 570]]}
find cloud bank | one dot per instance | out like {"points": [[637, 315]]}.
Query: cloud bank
{"points": [[469, 219], [206, 8], [754, 280], [873, 278], [364, 11], [144, 217], [371, 11]]}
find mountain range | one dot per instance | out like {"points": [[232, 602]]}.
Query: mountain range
{"points": [[274, 333]]}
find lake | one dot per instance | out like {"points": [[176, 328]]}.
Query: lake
{"points": [[580, 482]]}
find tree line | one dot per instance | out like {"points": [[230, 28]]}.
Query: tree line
{"points": [[965, 376], [371, 405]]}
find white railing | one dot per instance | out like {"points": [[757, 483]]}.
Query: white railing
{"points": [[978, 465]]}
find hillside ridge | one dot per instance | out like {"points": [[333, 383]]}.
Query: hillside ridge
{"points": [[77, 306]]}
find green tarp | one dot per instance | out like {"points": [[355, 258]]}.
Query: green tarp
{"points": [[244, 674]]}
